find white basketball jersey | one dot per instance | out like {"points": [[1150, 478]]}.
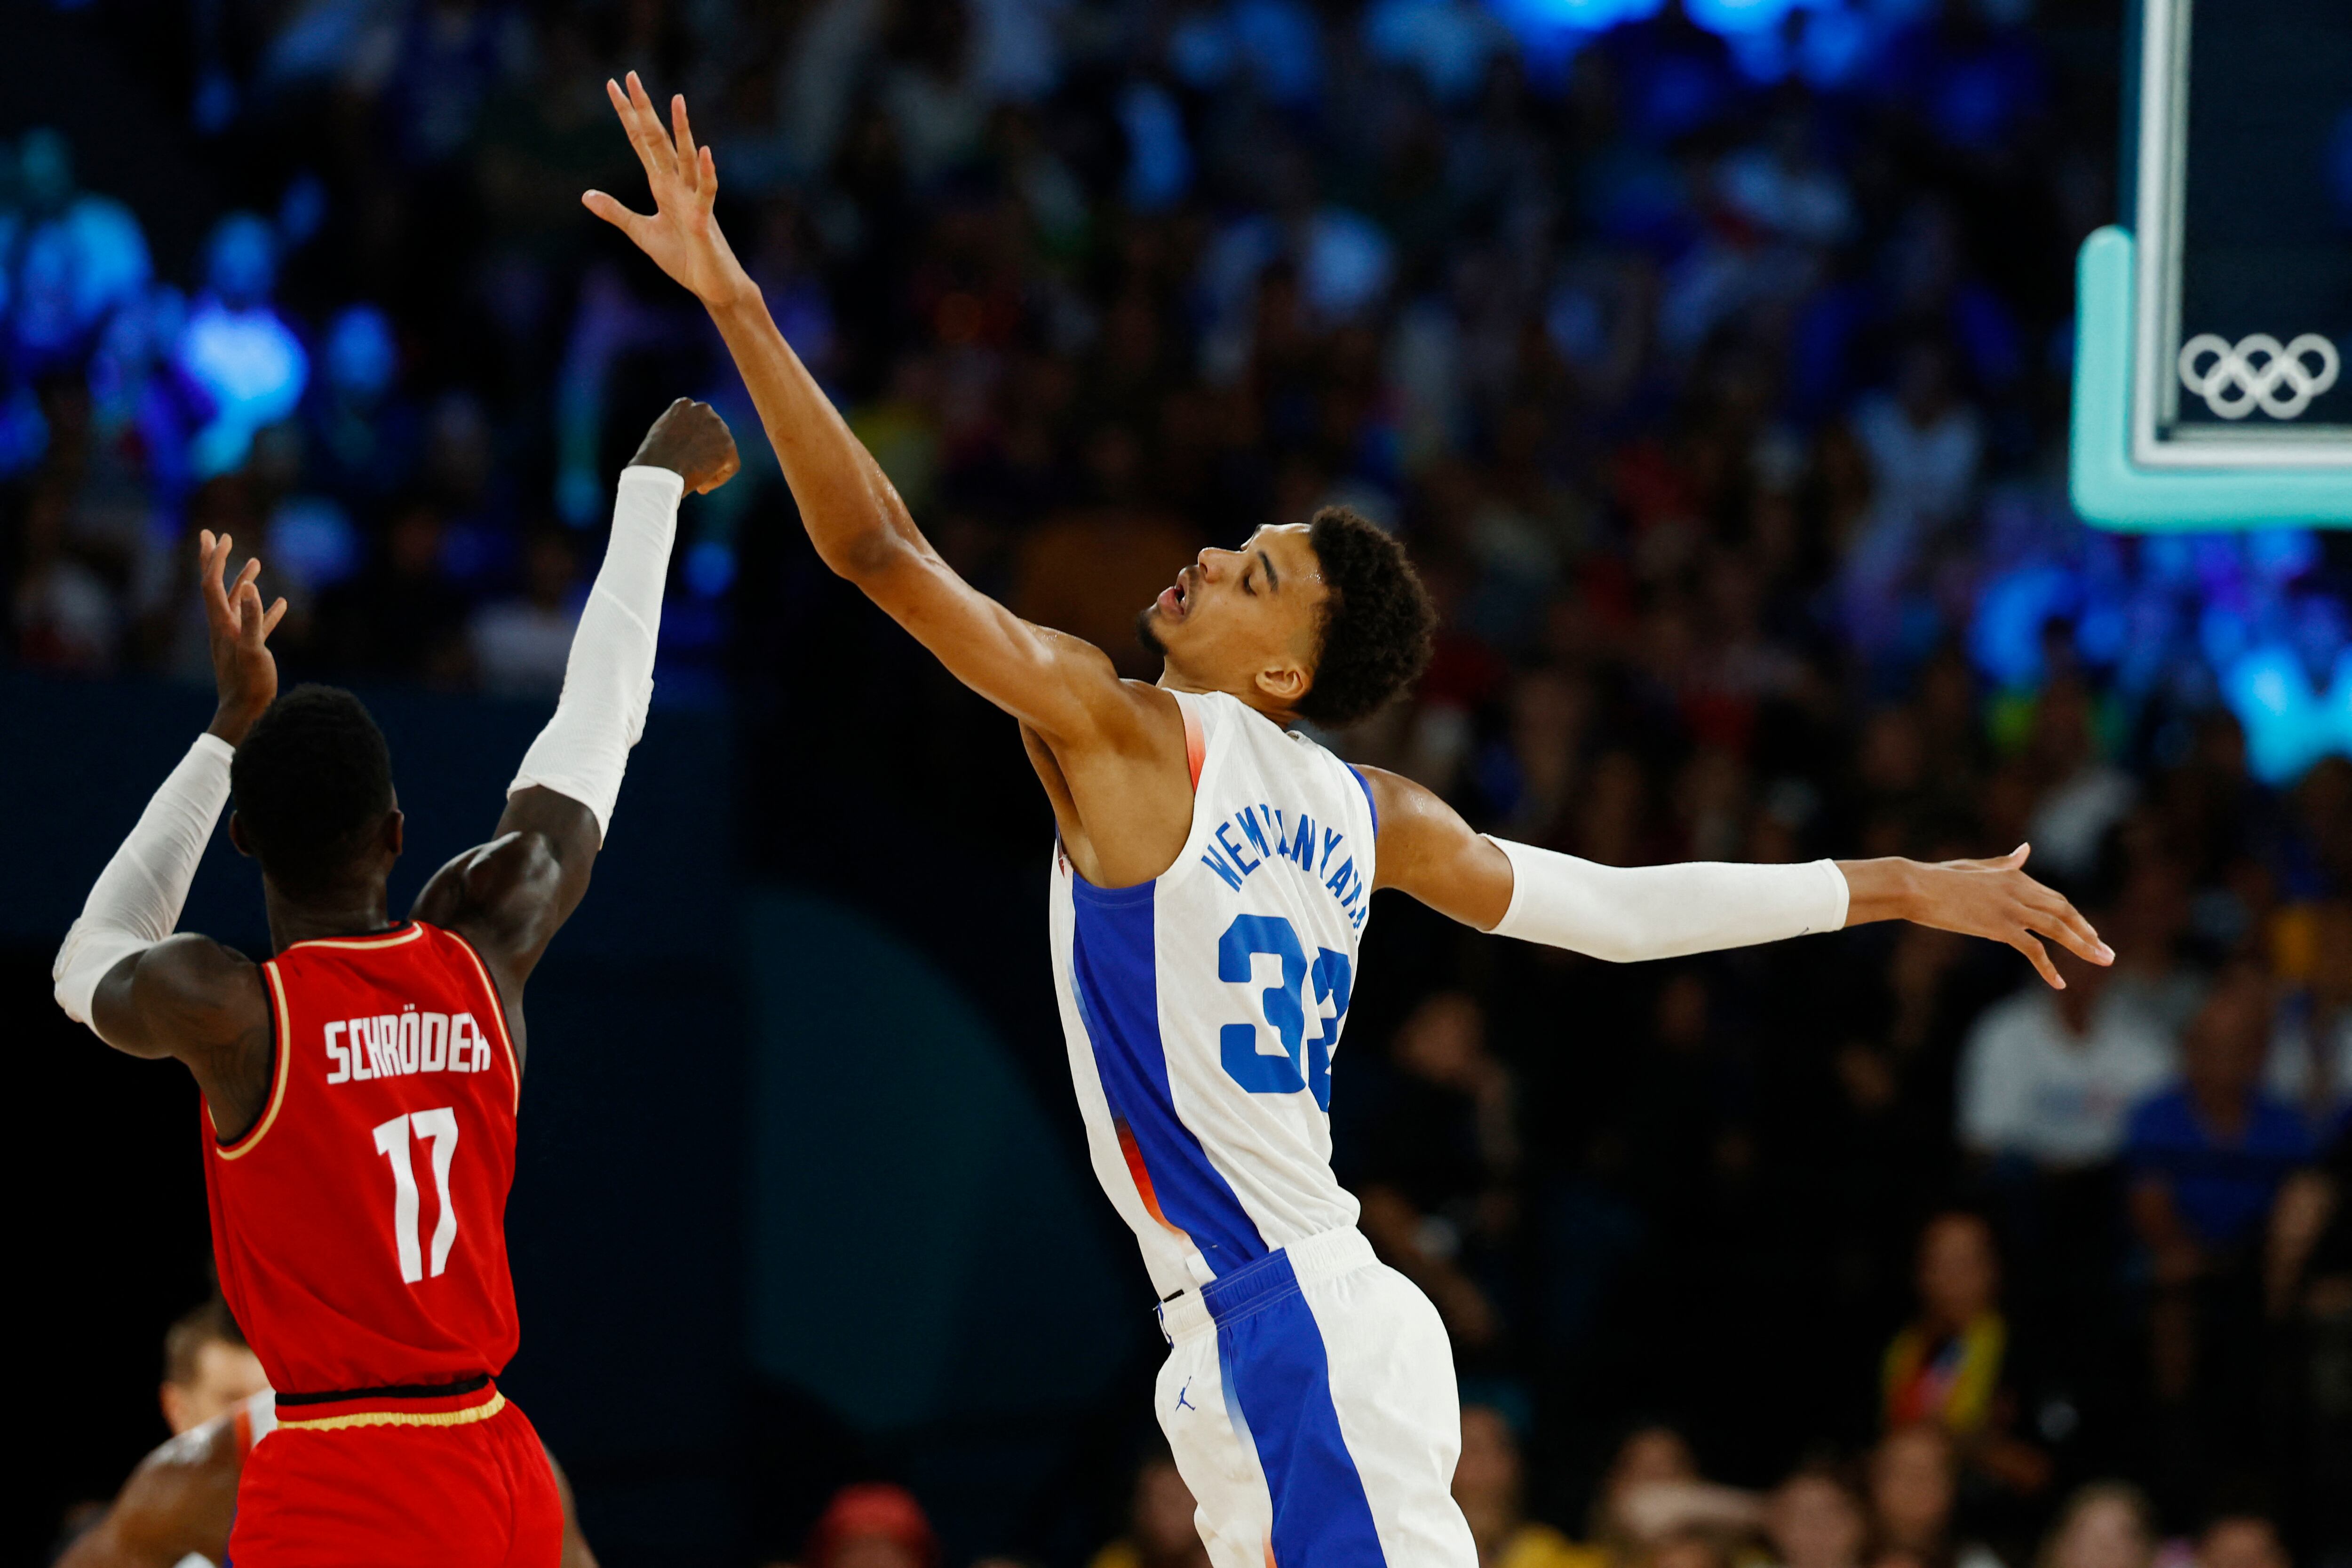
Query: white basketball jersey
{"points": [[1203, 1009]]}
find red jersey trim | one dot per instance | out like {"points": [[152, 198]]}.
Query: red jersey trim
{"points": [[409, 933], [454, 1410], [498, 1013], [281, 1046]]}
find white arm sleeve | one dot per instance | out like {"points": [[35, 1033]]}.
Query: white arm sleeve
{"points": [[609, 680], [1624, 913], [137, 898]]}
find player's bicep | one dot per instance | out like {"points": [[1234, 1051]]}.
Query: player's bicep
{"points": [[184, 996], [1428, 850], [1057, 685]]}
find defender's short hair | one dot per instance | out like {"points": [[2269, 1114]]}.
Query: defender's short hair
{"points": [[1378, 620], [185, 1341], [312, 780]]}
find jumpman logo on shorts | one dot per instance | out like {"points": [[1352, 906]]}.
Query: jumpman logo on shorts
{"points": [[1183, 1403]]}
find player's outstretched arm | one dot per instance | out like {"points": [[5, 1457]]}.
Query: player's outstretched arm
{"points": [[121, 970], [1625, 914], [181, 1499], [509, 896], [1058, 685]]}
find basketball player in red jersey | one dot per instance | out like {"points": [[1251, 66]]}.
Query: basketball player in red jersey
{"points": [[360, 1087]]}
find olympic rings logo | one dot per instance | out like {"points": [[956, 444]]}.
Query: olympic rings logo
{"points": [[2237, 378]]}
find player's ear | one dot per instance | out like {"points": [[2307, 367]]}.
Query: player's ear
{"points": [[173, 1400], [235, 837], [394, 834], [1286, 683]]}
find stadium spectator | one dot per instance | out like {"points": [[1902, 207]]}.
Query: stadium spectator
{"points": [[207, 1367], [1815, 1519], [872, 1524], [519, 645], [2234, 1540], [1490, 1482], [1159, 1529], [1436, 1191], [1952, 1365], [1914, 1487], [2108, 1524], [2049, 1078]]}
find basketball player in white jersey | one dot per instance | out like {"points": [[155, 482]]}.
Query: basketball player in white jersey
{"points": [[1210, 886]]}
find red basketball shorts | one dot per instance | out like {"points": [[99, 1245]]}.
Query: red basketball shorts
{"points": [[468, 1487]]}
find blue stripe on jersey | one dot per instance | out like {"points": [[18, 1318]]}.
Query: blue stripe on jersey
{"points": [[1369, 804], [1118, 988], [1278, 1378]]}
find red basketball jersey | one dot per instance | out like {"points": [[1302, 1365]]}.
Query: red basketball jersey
{"points": [[360, 1225]]}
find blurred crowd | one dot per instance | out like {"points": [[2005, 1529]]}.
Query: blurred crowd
{"points": [[1713, 363]]}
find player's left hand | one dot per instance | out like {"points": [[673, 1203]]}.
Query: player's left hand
{"points": [[245, 673], [680, 234], [1995, 899], [691, 441]]}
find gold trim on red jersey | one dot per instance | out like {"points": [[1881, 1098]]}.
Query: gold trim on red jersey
{"points": [[387, 940], [492, 1402], [282, 1047], [498, 1011]]}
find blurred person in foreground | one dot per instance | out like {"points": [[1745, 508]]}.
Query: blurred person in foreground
{"points": [[177, 1510], [1490, 1483], [1160, 1530], [1914, 1488], [1951, 1365], [1203, 841], [2107, 1524], [2208, 1157], [207, 1367]]}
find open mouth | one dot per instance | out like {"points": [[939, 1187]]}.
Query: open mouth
{"points": [[1176, 601]]}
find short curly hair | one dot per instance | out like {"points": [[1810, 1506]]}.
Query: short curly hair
{"points": [[1378, 620], [313, 782]]}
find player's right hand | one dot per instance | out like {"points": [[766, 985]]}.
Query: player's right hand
{"points": [[681, 236], [691, 441], [245, 673]]}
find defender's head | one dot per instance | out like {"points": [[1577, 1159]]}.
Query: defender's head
{"points": [[207, 1367], [314, 800], [1326, 621]]}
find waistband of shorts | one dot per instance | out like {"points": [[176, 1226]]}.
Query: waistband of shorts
{"points": [[1263, 1281], [457, 1404]]}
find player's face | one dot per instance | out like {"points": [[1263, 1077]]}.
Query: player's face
{"points": [[225, 1374], [1238, 619]]}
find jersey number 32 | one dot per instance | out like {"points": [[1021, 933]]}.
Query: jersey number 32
{"points": [[1306, 1028]]}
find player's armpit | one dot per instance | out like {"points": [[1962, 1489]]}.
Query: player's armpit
{"points": [[509, 897], [187, 996], [1425, 849]]}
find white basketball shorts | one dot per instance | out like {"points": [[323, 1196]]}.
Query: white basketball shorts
{"points": [[1309, 1401]]}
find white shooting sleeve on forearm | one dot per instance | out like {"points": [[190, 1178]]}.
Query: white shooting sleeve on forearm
{"points": [[609, 679], [136, 901], [1627, 912]]}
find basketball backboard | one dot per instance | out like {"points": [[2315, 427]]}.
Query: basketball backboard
{"points": [[2211, 382]]}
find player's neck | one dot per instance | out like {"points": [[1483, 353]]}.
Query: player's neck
{"points": [[353, 911], [1172, 679]]}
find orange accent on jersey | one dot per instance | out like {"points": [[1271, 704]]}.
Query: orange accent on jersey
{"points": [[1196, 743], [1142, 1178], [388, 940], [341, 1414]]}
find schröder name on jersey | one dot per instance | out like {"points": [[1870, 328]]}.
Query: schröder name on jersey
{"points": [[393, 1045], [1256, 836]]}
